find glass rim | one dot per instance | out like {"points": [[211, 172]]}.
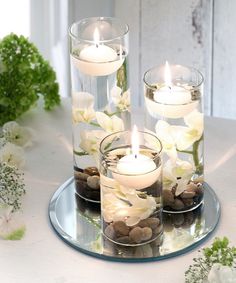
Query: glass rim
{"points": [[127, 131], [72, 35], [176, 65]]}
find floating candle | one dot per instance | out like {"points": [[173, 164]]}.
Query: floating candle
{"points": [[98, 59], [136, 170]]}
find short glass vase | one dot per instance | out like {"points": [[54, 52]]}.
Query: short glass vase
{"points": [[131, 188]]}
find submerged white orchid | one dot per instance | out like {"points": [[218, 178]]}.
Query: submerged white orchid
{"points": [[164, 133], [121, 100], [12, 155], [179, 173], [90, 140], [14, 133], [11, 224], [83, 107], [121, 203], [83, 115], [110, 124], [186, 136]]}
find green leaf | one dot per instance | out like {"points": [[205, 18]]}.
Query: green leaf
{"points": [[16, 235]]}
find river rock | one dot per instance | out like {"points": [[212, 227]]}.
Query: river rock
{"points": [[91, 171], [110, 232], [121, 229], [168, 197], [136, 235], [149, 222], [178, 204], [94, 182], [123, 240], [81, 176], [146, 233]]}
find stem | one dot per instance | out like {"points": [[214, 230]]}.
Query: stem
{"points": [[94, 124], [194, 152], [122, 76], [80, 153], [113, 113]]}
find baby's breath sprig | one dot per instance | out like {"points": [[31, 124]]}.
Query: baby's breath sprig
{"points": [[219, 252], [12, 186]]}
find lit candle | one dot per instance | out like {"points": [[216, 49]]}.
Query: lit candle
{"points": [[136, 170], [98, 59], [171, 101]]}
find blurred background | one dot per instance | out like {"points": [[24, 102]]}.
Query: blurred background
{"points": [[198, 33]]}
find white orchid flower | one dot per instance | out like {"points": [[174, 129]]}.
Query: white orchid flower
{"points": [[83, 115], [12, 155], [14, 133], [121, 101], [186, 136], [83, 107], [90, 140], [221, 274], [109, 124], [164, 133], [11, 223], [179, 173], [121, 203]]}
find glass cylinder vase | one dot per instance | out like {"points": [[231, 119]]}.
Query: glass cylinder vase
{"points": [[174, 113], [131, 188], [100, 94]]}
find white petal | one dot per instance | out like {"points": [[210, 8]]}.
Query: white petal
{"points": [[194, 120], [117, 124], [12, 155], [104, 121], [83, 100]]}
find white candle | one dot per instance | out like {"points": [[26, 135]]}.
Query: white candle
{"points": [[136, 170], [171, 101], [98, 59]]}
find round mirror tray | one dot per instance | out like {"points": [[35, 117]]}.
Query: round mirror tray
{"points": [[77, 222]]}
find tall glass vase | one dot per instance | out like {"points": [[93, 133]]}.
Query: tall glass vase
{"points": [[100, 94], [174, 112]]}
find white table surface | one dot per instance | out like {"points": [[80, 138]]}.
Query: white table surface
{"points": [[42, 257]]}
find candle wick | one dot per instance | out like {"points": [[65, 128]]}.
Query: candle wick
{"points": [[96, 45], [135, 156]]}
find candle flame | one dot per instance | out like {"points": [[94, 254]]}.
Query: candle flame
{"points": [[135, 141], [167, 75], [96, 36]]}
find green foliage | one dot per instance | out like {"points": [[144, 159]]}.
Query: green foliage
{"points": [[219, 252], [24, 75]]}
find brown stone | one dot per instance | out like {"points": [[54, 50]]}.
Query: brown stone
{"points": [[168, 197], [81, 176], [136, 235], [123, 240], [146, 234], [178, 204], [110, 232], [91, 171], [188, 201], [121, 229], [94, 182], [149, 222]]}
